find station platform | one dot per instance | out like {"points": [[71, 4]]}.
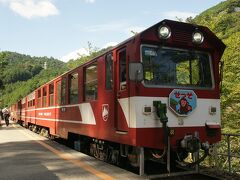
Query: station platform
{"points": [[25, 155]]}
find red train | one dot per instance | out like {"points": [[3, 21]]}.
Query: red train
{"points": [[152, 95]]}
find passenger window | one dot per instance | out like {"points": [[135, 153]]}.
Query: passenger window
{"points": [[58, 93], [45, 96], [109, 72], [63, 91], [91, 83], [122, 75], [39, 98], [51, 92], [73, 88]]}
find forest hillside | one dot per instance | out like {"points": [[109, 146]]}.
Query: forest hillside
{"points": [[21, 74], [224, 20]]}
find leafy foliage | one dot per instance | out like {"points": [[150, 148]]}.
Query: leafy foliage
{"points": [[95, 52], [21, 74], [223, 20]]}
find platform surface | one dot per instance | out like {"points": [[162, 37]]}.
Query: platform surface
{"points": [[27, 155]]}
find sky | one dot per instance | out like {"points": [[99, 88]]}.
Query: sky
{"points": [[63, 28]]}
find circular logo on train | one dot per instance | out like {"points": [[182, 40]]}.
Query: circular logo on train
{"points": [[105, 111], [182, 102]]}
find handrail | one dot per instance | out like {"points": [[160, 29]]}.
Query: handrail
{"points": [[229, 134], [228, 153]]}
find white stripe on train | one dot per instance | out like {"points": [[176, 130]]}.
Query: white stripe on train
{"points": [[133, 111], [85, 109]]}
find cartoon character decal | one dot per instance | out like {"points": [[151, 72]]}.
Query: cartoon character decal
{"points": [[182, 102], [105, 111]]}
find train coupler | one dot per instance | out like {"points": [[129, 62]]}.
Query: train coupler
{"points": [[190, 143]]}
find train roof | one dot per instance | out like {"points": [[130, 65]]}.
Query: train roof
{"points": [[176, 24]]}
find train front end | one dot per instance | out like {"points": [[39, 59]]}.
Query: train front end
{"points": [[175, 90]]}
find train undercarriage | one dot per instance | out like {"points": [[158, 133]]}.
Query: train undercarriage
{"points": [[135, 158]]}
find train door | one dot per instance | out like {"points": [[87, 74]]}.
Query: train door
{"points": [[51, 104], [122, 100], [57, 103]]}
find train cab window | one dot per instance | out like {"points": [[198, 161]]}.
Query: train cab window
{"points": [[58, 93], [39, 98], [122, 70], [109, 71], [63, 91], [91, 83], [172, 67], [45, 96], [51, 93], [73, 88], [184, 75]]}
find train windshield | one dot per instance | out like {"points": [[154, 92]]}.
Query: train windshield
{"points": [[176, 68]]}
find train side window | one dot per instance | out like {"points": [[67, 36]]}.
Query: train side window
{"points": [[109, 71], [91, 83], [122, 70], [39, 98], [73, 88], [63, 91], [51, 93], [45, 96], [58, 98], [33, 102]]}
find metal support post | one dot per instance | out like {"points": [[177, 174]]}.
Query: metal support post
{"points": [[196, 154], [141, 161], [229, 154], [168, 156]]}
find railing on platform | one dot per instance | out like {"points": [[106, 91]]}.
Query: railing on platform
{"points": [[226, 154], [229, 153]]}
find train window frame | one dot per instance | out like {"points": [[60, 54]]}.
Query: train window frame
{"points": [[177, 85], [73, 90], [51, 94], [45, 89], [122, 69], [58, 94], [91, 86], [63, 91], [39, 98], [109, 71]]}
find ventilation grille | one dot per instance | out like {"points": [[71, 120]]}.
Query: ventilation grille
{"points": [[182, 36]]}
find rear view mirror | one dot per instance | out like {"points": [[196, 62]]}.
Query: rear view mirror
{"points": [[135, 71]]}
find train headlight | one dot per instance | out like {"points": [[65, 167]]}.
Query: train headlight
{"points": [[164, 32], [197, 37]]}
